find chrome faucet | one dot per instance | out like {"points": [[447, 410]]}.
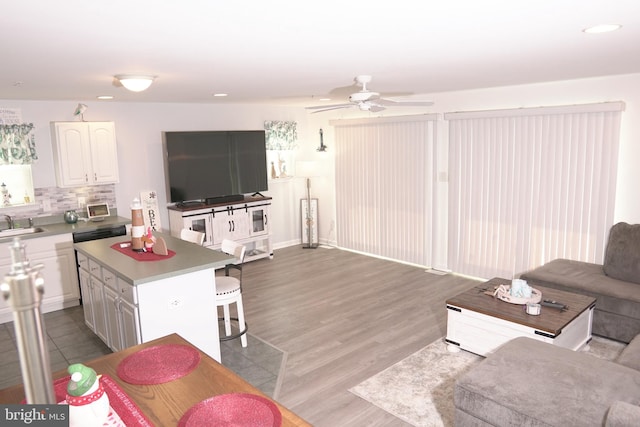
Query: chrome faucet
{"points": [[9, 220]]}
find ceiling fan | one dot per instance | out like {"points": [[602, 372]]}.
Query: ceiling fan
{"points": [[367, 100]]}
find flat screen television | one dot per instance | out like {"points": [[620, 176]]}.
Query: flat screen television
{"points": [[214, 166]]}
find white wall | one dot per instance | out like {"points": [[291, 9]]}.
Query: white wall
{"points": [[139, 127], [584, 91], [138, 131]]}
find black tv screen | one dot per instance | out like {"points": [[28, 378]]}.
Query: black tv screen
{"points": [[202, 165]]}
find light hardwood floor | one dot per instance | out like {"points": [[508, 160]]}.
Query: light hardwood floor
{"points": [[342, 317]]}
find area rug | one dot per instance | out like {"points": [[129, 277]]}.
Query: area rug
{"points": [[419, 388]]}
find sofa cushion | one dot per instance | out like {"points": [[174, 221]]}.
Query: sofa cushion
{"points": [[527, 382], [630, 356], [623, 414], [622, 256], [613, 295]]}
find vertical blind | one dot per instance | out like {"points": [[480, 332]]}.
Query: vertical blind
{"points": [[530, 185], [384, 187]]}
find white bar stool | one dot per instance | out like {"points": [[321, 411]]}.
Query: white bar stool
{"points": [[228, 288], [229, 291]]}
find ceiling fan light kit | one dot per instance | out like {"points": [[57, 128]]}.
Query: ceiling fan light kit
{"points": [[135, 83], [366, 100]]}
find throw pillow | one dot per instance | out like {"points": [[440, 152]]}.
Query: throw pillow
{"points": [[622, 256]]}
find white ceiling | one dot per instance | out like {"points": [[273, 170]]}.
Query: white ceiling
{"points": [[296, 51]]}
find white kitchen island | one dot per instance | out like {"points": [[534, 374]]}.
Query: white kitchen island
{"points": [[128, 302]]}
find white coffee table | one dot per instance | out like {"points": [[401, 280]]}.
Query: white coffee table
{"points": [[480, 323]]}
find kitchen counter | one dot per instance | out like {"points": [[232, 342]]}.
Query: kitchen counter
{"points": [[173, 294], [56, 225], [188, 258]]}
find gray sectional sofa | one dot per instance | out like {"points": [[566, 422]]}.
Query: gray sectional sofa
{"points": [[615, 284], [531, 383]]}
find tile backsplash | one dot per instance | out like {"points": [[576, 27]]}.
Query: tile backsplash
{"points": [[55, 201]]}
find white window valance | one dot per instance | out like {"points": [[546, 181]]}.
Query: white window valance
{"points": [[539, 111], [17, 144], [281, 135]]}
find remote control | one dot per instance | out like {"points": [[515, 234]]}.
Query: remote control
{"points": [[553, 304]]}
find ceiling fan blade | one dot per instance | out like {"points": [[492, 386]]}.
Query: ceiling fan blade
{"points": [[320, 109], [393, 102]]}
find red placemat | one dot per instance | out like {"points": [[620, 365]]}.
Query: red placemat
{"points": [[158, 364], [234, 409], [140, 256], [127, 412]]}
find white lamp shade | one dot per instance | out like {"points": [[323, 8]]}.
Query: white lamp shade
{"points": [[135, 83], [307, 169]]}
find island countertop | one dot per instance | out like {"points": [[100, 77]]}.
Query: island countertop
{"points": [[188, 257]]}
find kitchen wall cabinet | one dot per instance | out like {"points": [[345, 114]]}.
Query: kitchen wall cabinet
{"points": [[246, 222], [57, 257], [85, 153]]}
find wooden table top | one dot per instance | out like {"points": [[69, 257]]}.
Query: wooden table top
{"points": [[164, 404], [550, 320]]}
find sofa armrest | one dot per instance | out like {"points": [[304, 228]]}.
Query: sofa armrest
{"points": [[623, 414]]}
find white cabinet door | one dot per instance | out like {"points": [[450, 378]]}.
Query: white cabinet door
{"points": [[259, 219], [230, 224], [71, 153], [104, 154], [111, 302], [201, 223], [121, 327], [85, 153], [130, 325], [57, 257], [87, 299], [61, 272], [96, 288]]}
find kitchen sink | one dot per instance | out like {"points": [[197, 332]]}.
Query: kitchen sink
{"points": [[20, 231]]}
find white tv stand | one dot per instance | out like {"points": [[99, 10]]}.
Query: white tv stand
{"points": [[246, 222]]}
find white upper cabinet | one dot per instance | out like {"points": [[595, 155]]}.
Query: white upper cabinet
{"points": [[85, 153]]}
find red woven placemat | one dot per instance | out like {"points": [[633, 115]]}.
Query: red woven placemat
{"points": [[234, 409], [158, 364], [125, 408], [140, 256]]}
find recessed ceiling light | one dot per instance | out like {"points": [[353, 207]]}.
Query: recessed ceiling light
{"points": [[103, 97], [602, 28], [220, 95], [324, 99]]}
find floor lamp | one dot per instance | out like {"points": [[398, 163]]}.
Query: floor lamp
{"points": [[307, 170]]}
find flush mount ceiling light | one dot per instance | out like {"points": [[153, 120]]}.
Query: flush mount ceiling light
{"points": [[603, 28], [135, 83]]}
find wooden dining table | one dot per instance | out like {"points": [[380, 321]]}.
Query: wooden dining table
{"points": [[166, 403]]}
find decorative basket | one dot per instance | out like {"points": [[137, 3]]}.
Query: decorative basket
{"points": [[503, 292]]}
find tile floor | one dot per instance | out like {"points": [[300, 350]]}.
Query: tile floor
{"points": [[70, 341]]}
